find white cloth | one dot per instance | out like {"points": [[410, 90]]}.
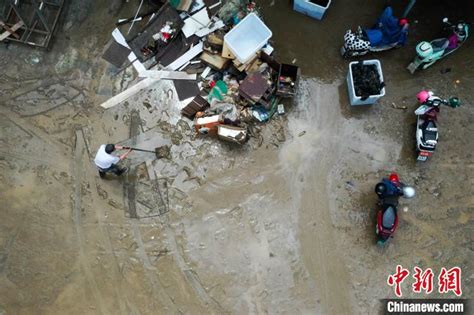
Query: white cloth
{"points": [[105, 160]]}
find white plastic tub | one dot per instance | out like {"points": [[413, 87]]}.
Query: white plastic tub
{"points": [[372, 99], [312, 9], [248, 37]]}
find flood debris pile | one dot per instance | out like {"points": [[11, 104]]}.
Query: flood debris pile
{"points": [[366, 80], [219, 57]]}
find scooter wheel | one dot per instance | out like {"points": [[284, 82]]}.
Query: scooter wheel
{"points": [[380, 243]]}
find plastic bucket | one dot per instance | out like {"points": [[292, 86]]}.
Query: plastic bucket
{"points": [[312, 8], [357, 100]]}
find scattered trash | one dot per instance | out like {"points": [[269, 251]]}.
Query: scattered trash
{"points": [[219, 89], [233, 134], [399, 107], [302, 133], [207, 125], [260, 114], [217, 54]]}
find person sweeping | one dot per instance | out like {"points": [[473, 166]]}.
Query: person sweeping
{"points": [[106, 162]]}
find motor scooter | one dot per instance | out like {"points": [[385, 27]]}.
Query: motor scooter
{"points": [[426, 123], [427, 53], [388, 191], [387, 33]]}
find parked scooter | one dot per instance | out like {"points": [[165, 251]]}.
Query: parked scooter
{"points": [[387, 33], [426, 122], [428, 53], [388, 191]]}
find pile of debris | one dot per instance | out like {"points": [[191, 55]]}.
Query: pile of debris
{"points": [[218, 55]]}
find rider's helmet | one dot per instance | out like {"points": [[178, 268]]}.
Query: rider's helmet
{"points": [[380, 189], [423, 96], [394, 178], [424, 49], [408, 192]]}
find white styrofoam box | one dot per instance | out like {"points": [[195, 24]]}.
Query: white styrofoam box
{"points": [[247, 37], [311, 9], [372, 99]]}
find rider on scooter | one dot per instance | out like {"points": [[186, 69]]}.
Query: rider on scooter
{"points": [[392, 187]]}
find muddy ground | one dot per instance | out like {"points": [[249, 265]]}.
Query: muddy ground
{"points": [[282, 225]]}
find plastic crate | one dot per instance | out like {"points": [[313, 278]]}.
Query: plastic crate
{"points": [[314, 9], [248, 37], [372, 99]]}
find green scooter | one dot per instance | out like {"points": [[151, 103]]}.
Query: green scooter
{"points": [[427, 53]]}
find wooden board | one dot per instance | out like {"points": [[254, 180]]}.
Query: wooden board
{"points": [[124, 95], [226, 53], [214, 61], [169, 75], [10, 30], [190, 54]]}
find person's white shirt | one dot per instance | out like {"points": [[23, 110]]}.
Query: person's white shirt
{"points": [[105, 160]]}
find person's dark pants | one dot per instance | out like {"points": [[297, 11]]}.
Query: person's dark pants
{"points": [[113, 169]]}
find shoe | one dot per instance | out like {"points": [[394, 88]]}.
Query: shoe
{"points": [[123, 170]]}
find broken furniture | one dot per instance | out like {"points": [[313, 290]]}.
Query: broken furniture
{"points": [[247, 38], [287, 80], [216, 62], [207, 125], [232, 133], [186, 89], [354, 88], [255, 88], [198, 104], [32, 21], [312, 8]]}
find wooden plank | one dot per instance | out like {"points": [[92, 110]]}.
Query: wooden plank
{"points": [[11, 30], [154, 76], [168, 75], [214, 61], [124, 95], [8, 29], [190, 54], [226, 53]]}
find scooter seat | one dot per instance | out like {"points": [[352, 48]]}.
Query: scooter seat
{"points": [[430, 132], [374, 36], [388, 219], [439, 44]]}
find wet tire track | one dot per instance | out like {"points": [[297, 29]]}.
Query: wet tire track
{"points": [[78, 168], [158, 289]]}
